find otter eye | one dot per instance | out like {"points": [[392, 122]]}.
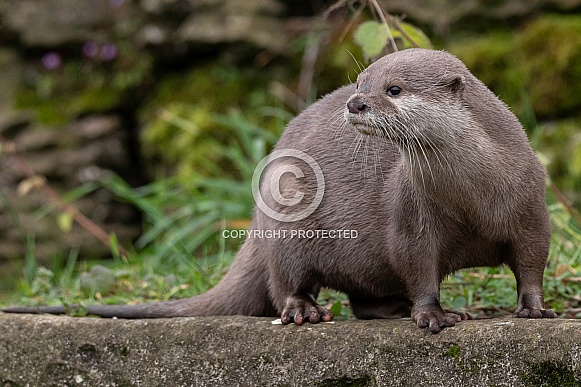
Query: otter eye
{"points": [[394, 91]]}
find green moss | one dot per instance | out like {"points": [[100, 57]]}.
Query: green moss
{"points": [[266, 359], [472, 366], [532, 69], [550, 374], [551, 52], [490, 59], [453, 351], [361, 381]]}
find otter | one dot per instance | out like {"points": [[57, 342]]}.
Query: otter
{"points": [[381, 189]]}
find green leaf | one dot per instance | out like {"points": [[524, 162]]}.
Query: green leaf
{"points": [[65, 221], [337, 308], [114, 244], [372, 37], [415, 34], [31, 264]]}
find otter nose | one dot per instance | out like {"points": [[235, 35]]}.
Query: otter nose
{"points": [[356, 106]]}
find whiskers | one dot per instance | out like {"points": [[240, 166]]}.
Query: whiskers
{"points": [[427, 153], [338, 123], [360, 66], [364, 150]]}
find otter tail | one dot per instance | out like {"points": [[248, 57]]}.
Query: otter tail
{"points": [[242, 291]]}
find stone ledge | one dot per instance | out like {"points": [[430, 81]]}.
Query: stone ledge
{"points": [[244, 351]]}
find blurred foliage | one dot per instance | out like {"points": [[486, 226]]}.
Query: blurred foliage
{"points": [[541, 62], [411, 36], [78, 282], [560, 144], [179, 133], [185, 216], [373, 38], [182, 242], [179, 128], [338, 62], [99, 279], [551, 66], [78, 85]]}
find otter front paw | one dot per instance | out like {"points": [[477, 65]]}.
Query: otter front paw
{"points": [[434, 318], [534, 313], [299, 309]]}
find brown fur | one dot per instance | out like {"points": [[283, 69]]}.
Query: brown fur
{"points": [[437, 178]]}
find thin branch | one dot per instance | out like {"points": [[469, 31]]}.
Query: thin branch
{"points": [[309, 62], [9, 149], [349, 25], [396, 24], [337, 5], [384, 20]]}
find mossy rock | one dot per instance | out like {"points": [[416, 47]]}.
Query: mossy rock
{"points": [[537, 69], [551, 65], [80, 86]]}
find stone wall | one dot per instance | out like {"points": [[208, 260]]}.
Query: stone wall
{"points": [[245, 351]]}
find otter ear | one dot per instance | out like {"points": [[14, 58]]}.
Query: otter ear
{"points": [[455, 83]]}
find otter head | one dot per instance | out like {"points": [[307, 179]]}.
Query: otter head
{"points": [[409, 97]]}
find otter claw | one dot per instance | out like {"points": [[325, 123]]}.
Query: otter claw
{"points": [[435, 318], [535, 313], [459, 315], [435, 321], [300, 309]]}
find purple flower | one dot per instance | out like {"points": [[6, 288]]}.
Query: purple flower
{"points": [[51, 60], [116, 3], [90, 50], [108, 51]]}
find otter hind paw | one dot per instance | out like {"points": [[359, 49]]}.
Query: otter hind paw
{"points": [[535, 313], [461, 316]]}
